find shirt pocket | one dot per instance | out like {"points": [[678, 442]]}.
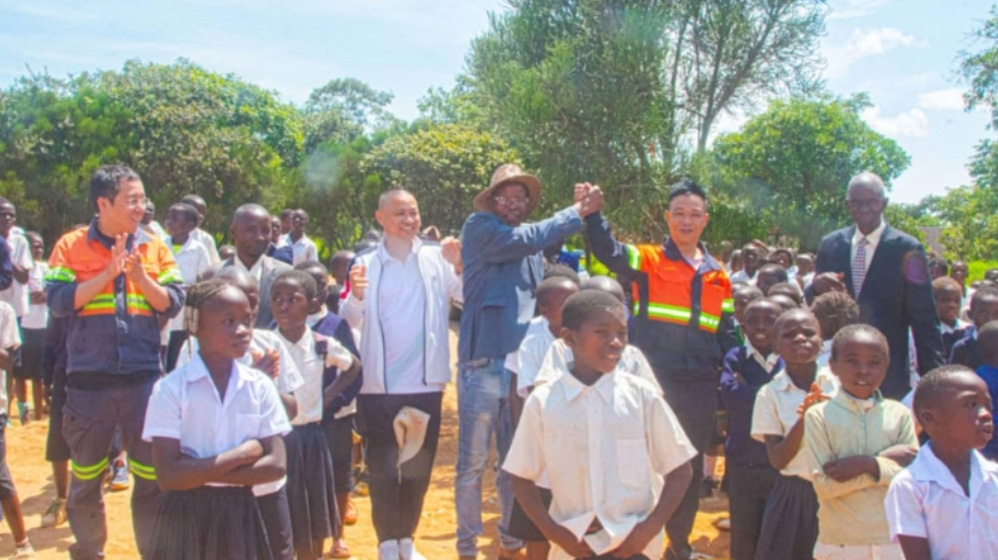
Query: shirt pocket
{"points": [[632, 463]]}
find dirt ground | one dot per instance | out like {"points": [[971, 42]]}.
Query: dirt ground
{"points": [[435, 538]]}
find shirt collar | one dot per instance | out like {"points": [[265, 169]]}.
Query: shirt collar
{"points": [[857, 405], [825, 379], [184, 247], [766, 361], [94, 234], [197, 370], [306, 342], [384, 255], [672, 253], [873, 238], [256, 270], [573, 387], [304, 239], [319, 315], [928, 468]]}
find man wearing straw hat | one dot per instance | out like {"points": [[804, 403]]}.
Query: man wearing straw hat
{"points": [[503, 265]]}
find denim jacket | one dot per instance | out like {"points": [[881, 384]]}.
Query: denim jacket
{"points": [[503, 266]]}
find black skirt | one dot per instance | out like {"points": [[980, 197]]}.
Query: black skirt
{"points": [[32, 350], [311, 491], [210, 523], [790, 523]]}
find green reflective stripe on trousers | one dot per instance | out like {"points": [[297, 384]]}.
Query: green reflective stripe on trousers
{"points": [[669, 312], [170, 276], [728, 306], [60, 274], [89, 472], [140, 470], [633, 257]]}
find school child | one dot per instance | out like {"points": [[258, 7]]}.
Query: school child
{"points": [[17, 293], [983, 309], [942, 507], [193, 260], [617, 458], [338, 416], [743, 295], [311, 491], [855, 444], [770, 275], [834, 311], [339, 264], [551, 296], [750, 477], [33, 330], [785, 302], [302, 247], [790, 522], [199, 234], [215, 426], [269, 354], [10, 503], [987, 342], [949, 302]]}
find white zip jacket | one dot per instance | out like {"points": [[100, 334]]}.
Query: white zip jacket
{"points": [[440, 282]]}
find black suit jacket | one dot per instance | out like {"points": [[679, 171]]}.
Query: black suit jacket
{"points": [[272, 268], [896, 295]]}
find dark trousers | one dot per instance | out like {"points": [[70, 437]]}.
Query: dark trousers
{"points": [[339, 436], [748, 489], [695, 406], [90, 418], [397, 493]]}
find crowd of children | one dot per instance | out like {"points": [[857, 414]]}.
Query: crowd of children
{"points": [[246, 446]]}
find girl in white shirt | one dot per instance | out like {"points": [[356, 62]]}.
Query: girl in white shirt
{"points": [[311, 488], [215, 428]]}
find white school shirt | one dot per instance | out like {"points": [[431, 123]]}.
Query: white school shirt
{"points": [[775, 412], [351, 407], [303, 250], [20, 254], [185, 406], [560, 359], [926, 501], [10, 339], [825, 355], [766, 362], [530, 358], [288, 380], [193, 260], [311, 365], [607, 449], [536, 325], [208, 241], [37, 316]]}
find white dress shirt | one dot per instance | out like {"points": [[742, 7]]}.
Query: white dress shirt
{"points": [[208, 241], [288, 377], [607, 448], [186, 406], [559, 359], [926, 501], [313, 319], [536, 325], [10, 338], [742, 276], [303, 250], [872, 240], [256, 271], [775, 412], [312, 365], [530, 358], [193, 260], [20, 254], [38, 313], [402, 313]]}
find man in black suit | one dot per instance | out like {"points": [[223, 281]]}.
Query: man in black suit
{"points": [[886, 271], [250, 232]]}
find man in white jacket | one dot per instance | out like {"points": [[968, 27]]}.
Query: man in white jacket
{"points": [[398, 297]]}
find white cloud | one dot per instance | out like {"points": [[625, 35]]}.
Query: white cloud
{"points": [[944, 99], [909, 124], [864, 44], [847, 9]]}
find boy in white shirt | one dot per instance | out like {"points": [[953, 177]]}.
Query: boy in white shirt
{"points": [[618, 460], [193, 260], [33, 325], [302, 248], [942, 507], [17, 293]]}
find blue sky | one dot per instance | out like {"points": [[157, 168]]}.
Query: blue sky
{"points": [[902, 52]]}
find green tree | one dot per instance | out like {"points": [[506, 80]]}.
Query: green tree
{"points": [[793, 162], [443, 165]]}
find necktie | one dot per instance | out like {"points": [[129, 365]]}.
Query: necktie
{"points": [[859, 268]]}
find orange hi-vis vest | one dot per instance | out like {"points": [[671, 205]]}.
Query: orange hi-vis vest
{"points": [[677, 293]]}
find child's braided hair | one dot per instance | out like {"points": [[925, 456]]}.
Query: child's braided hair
{"points": [[197, 296]]}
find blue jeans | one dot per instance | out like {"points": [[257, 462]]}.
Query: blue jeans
{"points": [[483, 408]]}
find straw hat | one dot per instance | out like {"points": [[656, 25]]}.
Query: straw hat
{"points": [[410, 431], [509, 173]]}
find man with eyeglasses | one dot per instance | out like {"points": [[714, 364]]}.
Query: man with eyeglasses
{"points": [[503, 265], [886, 272]]}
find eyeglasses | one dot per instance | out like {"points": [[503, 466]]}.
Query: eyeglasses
{"points": [[511, 202]]}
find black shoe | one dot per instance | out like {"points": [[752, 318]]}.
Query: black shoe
{"points": [[707, 487]]}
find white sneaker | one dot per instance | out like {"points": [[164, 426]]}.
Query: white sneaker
{"points": [[407, 550], [388, 550]]}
